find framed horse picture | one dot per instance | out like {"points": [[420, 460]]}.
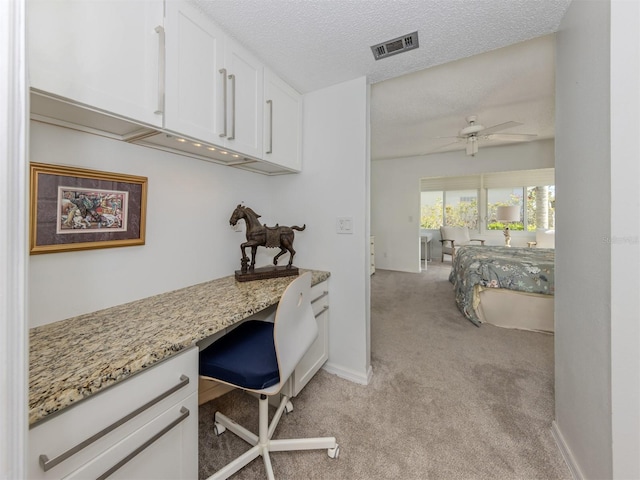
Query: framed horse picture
{"points": [[78, 209]]}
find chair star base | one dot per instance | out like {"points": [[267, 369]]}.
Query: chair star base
{"points": [[262, 443]]}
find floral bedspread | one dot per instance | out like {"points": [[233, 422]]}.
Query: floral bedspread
{"points": [[523, 269]]}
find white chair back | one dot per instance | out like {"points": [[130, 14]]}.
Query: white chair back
{"points": [[460, 235], [295, 325], [546, 239]]}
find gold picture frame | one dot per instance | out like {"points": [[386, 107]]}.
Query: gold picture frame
{"points": [[79, 209]]}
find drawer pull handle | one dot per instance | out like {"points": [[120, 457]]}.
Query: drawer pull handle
{"points": [[47, 464], [184, 414], [324, 294], [322, 311]]}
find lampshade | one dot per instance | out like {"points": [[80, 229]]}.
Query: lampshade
{"points": [[508, 214]]}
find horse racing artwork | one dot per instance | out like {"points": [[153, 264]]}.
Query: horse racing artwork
{"points": [[78, 209], [85, 211], [259, 235]]}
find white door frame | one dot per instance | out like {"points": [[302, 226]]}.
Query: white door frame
{"points": [[13, 240]]}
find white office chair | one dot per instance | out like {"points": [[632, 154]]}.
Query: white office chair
{"points": [[260, 356]]}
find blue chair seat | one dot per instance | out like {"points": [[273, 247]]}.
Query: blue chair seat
{"points": [[245, 357]]}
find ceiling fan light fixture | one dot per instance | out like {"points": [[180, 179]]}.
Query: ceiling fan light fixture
{"points": [[472, 145]]}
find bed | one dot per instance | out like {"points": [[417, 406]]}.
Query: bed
{"points": [[507, 287]]}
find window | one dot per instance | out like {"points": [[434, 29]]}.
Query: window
{"points": [[461, 209], [456, 208], [503, 197], [541, 207], [463, 201], [431, 211], [538, 214]]}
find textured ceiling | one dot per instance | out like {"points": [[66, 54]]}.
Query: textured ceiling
{"points": [[514, 83], [313, 44]]}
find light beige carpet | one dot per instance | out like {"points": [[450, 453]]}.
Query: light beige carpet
{"points": [[448, 400]]}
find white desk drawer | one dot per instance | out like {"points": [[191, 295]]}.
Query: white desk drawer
{"points": [[80, 433]]}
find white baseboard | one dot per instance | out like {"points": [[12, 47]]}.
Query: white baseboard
{"points": [[348, 374], [569, 459]]}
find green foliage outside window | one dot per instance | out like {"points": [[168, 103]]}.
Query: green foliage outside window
{"points": [[431, 215], [462, 214], [540, 211]]}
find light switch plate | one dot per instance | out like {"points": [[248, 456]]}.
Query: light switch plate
{"points": [[344, 225]]}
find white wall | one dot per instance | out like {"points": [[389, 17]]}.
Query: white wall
{"points": [[625, 238], [334, 184], [395, 196], [583, 262], [188, 237]]}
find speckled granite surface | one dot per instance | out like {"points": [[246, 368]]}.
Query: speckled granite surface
{"points": [[72, 359]]}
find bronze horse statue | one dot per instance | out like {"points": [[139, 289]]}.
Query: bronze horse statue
{"points": [[259, 235]]}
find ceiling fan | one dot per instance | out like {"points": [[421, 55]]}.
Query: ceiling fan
{"points": [[474, 132]]}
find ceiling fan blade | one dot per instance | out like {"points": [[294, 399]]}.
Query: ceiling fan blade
{"points": [[452, 136], [497, 128], [449, 144], [511, 137]]}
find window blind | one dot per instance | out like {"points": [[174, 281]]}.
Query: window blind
{"points": [[520, 178], [471, 182], [516, 178]]}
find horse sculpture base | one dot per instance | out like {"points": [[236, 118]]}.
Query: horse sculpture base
{"points": [[263, 273]]}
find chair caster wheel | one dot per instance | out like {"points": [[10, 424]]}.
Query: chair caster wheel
{"points": [[288, 408], [334, 452], [218, 428]]}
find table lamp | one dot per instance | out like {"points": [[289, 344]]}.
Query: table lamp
{"points": [[507, 215]]}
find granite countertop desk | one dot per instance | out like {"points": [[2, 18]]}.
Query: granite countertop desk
{"points": [[72, 359]]}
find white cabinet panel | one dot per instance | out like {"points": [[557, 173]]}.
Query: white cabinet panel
{"points": [[214, 86], [86, 432], [244, 100], [282, 123], [318, 353], [194, 81], [101, 53]]}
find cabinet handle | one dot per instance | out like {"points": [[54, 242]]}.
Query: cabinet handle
{"points": [[223, 71], [161, 65], [270, 103], [322, 295], [184, 414], [322, 311], [47, 464], [232, 77]]}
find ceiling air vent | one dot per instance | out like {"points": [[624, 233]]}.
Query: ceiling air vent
{"points": [[397, 45]]}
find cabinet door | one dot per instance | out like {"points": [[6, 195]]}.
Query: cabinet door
{"points": [[282, 123], [194, 77], [244, 100], [102, 53]]}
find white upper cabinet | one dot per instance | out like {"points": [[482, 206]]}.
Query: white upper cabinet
{"points": [[282, 123], [214, 87], [105, 54], [160, 74], [244, 100], [195, 74]]}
